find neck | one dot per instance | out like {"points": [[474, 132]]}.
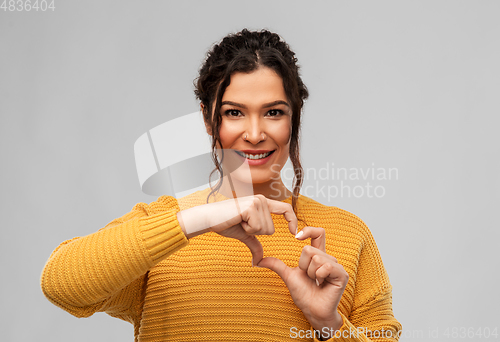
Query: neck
{"points": [[273, 189]]}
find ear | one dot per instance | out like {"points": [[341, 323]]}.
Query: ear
{"points": [[207, 126]]}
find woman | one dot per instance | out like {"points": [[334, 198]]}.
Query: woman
{"points": [[188, 274]]}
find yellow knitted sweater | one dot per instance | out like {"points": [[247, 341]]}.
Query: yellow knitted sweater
{"points": [[142, 269]]}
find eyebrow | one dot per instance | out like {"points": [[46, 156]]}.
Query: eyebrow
{"points": [[266, 105]]}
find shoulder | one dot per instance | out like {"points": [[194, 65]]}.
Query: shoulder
{"points": [[141, 209], [333, 219], [163, 203]]}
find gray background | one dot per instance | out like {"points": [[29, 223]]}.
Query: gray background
{"points": [[406, 85]]}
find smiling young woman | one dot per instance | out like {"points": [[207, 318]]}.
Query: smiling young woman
{"points": [[183, 270]]}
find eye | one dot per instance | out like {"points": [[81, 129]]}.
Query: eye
{"points": [[232, 113], [275, 112]]}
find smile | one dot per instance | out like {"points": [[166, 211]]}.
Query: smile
{"points": [[254, 156]]}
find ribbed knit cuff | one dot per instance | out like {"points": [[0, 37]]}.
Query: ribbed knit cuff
{"points": [[346, 333], [162, 235]]}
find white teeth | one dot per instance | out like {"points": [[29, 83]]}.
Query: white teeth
{"points": [[253, 157]]}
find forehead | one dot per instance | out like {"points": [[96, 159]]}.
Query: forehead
{"points": [[261, 85]]}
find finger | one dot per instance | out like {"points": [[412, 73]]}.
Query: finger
{"points": [[316, 262], [268, 220], [333, 273], [255, 217], [252, 220], [323, 272], [317, 235], [255, 248], [308, 252], [286, 210], [275, 265]]}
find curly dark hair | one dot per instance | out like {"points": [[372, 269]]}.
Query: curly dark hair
{"points": [[246, 51]]}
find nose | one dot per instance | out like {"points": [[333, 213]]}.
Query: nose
{"points": [[254, 132]]}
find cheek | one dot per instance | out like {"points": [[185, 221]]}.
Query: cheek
{"points": [[228, 135], [282, 134], [281, 137]]}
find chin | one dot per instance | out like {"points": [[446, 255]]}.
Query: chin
{"points": [[262, 178]]}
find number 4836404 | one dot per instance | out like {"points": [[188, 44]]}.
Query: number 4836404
{"points": [[471, 333], [27, 5]]}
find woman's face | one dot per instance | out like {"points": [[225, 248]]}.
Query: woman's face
{"points": [[256, 122]]}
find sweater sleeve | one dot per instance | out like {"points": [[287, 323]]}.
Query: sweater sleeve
{"points": [[373, 322], [105, 271], [371, 317]]}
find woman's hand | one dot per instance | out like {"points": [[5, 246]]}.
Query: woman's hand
{"points": [[241, 218], [317, 284]]}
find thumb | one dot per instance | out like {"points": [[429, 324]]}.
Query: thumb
{"points": [[317, 235], [255, 248], [276, 265]]}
